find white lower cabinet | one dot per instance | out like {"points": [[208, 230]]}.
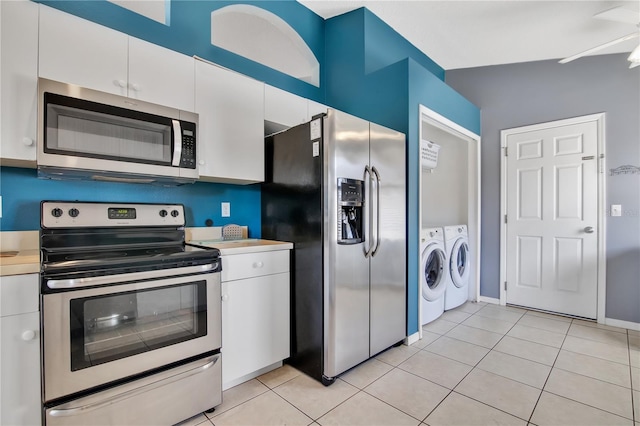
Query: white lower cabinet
{"points": [[20, 350], [255, 314]]}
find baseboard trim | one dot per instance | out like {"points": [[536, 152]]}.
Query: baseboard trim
{"points": [[410, 340], [622, 324], [491, 300]]}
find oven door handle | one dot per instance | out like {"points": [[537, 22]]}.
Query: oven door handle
{"points": [[68, 412], [133, 276]]}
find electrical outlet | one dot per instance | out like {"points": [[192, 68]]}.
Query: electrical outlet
{"points": [[226, 209], [616, 209]]}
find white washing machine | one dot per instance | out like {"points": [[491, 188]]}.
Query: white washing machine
{"points": [[456, 241], [433, 273]]}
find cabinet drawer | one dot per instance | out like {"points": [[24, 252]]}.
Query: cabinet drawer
{"points": [[19, 294], [239, 266]]}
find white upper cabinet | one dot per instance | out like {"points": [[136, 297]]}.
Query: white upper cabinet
{"points": [[19, 82], [315, 108], [284, 108], [231, 125], [77, 51], [160, 75], [74, 50]]}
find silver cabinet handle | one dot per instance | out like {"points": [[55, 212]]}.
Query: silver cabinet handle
{"points": [[588, 230]]}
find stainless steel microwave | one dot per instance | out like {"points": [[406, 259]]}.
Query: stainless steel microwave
{"points": [[87, 134]]}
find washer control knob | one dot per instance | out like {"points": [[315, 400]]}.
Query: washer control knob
{"points": [[57, 212], [163, 213], [74, 212], [174, 213]]}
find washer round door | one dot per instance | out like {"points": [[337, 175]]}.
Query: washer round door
{"points": [[459, 263], [433, 270]]}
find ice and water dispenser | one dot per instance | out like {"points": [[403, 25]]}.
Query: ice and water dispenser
{"points": [[350, 204]]}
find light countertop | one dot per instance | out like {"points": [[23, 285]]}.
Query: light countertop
{"points": [[230, 247], [20, 262]]}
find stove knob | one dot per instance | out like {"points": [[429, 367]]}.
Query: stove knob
{"points": [[163, 213], [174, 213], [57, 212], [74, 212]]}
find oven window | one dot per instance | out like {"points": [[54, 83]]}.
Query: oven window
{"points": [[115, 326]]}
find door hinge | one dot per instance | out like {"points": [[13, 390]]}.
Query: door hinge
{"points": [[505, 286], [506, 151], [505, 218]]}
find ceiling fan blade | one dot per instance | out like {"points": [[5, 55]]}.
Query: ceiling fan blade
{"points": [[600, 47], [620, 14]]}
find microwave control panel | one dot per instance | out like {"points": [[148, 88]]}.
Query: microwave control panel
{"points": [[188, 157]]}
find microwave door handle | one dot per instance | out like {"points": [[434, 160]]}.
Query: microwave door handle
{"points": [[177, 143]]}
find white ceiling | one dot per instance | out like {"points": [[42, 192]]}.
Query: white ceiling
{"points": [[465, 34]]}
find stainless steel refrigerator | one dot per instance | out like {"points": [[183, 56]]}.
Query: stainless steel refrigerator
{"points": [[336, 188]]}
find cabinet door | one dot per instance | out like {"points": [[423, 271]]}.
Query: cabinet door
{"points": [[160, 75], [315, 108], [19, 294], [77, 51], [231, 125], [284, 108], [20, 369], [19, 72], [255, 325]]}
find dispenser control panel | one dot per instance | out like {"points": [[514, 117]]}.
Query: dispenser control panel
{"points": [[350, 204]]}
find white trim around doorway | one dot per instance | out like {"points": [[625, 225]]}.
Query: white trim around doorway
{"points": [[599, 118]]}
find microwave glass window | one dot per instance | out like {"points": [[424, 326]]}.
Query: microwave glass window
{"points": [[115, 326], [99, 135]]}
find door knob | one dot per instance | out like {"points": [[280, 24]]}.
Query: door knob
{"points": [[588, 230]]}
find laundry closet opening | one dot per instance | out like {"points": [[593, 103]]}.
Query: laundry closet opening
{"points": [[449, 212]]}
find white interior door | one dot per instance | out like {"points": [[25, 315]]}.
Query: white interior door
{"points": [[552, 215]]}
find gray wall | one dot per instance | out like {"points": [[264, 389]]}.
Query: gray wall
{"points": [[521, 94]]}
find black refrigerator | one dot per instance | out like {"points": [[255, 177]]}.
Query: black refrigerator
{"points": [[336, 188]]}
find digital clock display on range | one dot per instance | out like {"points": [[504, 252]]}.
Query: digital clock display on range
{"points": [[122, 213]]}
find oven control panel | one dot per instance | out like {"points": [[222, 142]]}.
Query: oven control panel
{"points": [[73, 214]]}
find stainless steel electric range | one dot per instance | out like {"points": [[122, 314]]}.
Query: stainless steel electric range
{"points": [[131, 315]]}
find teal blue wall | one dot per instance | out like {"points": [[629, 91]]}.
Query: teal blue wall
{"points": [[189, 33], [22, 192], [367, 69], [375, 74]]}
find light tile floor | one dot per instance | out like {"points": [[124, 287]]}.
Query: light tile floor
{"points": [[478, 364]]}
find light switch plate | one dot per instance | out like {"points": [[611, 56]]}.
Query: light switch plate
{"points": [[226, 209], [616, 209]]}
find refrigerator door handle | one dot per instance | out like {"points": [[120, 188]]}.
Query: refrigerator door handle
{"points": [[367, 227], [374, 172]]}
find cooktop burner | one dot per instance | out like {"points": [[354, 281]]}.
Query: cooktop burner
{"points": [[103, 238]]}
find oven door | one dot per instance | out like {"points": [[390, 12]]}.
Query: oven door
{"points": [[95, 336]]}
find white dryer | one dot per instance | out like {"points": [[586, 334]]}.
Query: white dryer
{"points": [[456, 241], [433, 273]]}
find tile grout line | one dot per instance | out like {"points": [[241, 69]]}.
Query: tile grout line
{"points": [[470, 371], [633, 400], [548, 375]]}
